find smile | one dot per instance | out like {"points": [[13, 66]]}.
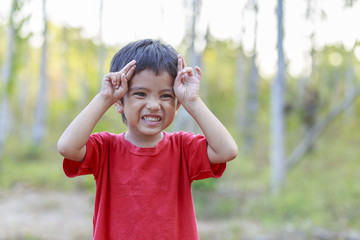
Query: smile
{"points": [[151, 119]]}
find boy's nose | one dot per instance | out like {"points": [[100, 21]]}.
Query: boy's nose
{"points": [[153, 104]]}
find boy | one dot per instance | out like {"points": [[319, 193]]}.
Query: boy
{"points": [[143, 176]]}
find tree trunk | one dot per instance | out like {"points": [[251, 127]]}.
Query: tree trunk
{"points": [[102, 50], [241, 89], [40, 113], [6, 76], [183, 119], [350, 80], [277, 114], [252, 103]]}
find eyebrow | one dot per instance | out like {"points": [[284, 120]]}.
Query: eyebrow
{"points": [[146, 89], [137, 88], [167, 90]]}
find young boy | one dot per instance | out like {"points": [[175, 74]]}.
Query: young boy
{"points": [[143, 176]]}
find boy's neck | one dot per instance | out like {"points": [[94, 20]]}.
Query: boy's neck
{"points": [[144, 142]]}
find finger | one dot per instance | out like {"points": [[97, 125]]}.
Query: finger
{"points": [[115, 79], [128, 67], [198, 72], [130, 73], [183, 62], [180, 63], [128, 70], [124, 81], [178, 78], [107, 78], [110, 77], [188, 70]]}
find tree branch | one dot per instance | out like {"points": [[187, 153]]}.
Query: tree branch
{"points": [[316, 131]]}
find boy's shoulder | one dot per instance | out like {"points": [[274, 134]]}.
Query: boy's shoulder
{"points": [[180, 134], [105, 136], [184, 136]]}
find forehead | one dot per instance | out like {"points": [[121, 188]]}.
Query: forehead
{"points": [[148, 79]]}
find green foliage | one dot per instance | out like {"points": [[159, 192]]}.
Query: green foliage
{"points": [[219, 60], [28, 165], [37, 167], [206, 184]]}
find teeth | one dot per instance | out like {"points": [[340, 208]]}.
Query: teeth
{"points": [[152, 119]]}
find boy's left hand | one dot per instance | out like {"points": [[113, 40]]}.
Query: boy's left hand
{"points": [[221, 146], [186, 85]]}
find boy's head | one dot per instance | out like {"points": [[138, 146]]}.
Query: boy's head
{"points": [[149, 54]]}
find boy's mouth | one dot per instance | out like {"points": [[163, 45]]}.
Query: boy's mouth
{"points": [[151, 118]]}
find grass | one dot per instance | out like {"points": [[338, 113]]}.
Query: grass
{"points": [[36, 167]]}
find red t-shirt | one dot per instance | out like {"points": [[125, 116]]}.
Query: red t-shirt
{"points": [[145, 193]]}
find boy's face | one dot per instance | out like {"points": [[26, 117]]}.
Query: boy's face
{"points": [[150, 104]]}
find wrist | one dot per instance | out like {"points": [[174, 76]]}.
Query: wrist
{"points": [[193, 105], [103, 101]]}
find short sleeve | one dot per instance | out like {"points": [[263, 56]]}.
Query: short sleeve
{"points": [[96, 149], [197, 158]]}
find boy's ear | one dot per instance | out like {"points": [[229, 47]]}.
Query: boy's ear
{"points": [[119, 106]]}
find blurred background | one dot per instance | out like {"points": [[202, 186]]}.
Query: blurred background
{"points": [[283, 77]]}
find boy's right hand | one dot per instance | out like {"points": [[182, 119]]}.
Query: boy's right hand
{"points": [[115, 84], [72, 143]]}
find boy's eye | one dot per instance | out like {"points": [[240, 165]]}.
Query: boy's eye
{"points": [[140, 94], [166, 96]]}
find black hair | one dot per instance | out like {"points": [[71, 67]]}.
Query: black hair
{"points": [[149, 54]]}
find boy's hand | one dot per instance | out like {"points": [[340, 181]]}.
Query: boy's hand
{"points": [[186, 85], [72, 143], [115, 84], [221, 146]]}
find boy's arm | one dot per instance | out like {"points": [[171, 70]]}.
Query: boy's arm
{"points": [[72, 143], [221, 145]]}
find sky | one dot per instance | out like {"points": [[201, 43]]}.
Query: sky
{"points": [[126, 21]]}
